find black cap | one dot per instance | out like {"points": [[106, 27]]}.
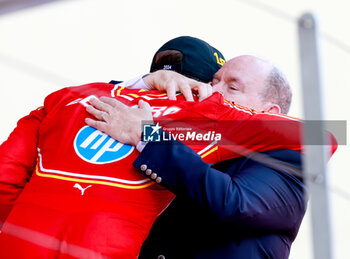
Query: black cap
{"points": [[200, 60]]}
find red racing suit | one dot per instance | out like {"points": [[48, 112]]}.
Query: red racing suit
{"points": [[82, 196]]}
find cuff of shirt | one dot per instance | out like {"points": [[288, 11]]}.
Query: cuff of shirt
{"points": [[140, 146], [135, 83]]}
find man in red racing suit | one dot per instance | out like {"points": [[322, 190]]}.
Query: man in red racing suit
{"points": [[68, 190]]}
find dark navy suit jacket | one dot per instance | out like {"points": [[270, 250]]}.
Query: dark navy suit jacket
{"points": [[240, 208]]}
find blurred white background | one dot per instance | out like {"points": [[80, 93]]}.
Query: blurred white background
{"points": [[72, 42]]}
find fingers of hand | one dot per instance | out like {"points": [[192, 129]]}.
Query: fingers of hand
{"points": [[204, 91], [144, 105], [99, 125], [171, 89], [209, 89], [98, 114], [112, 102], [145, 111], [186, 90], [154, 80], [100, 105]]}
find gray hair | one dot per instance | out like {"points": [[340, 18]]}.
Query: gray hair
{"points": [[277, 90]]}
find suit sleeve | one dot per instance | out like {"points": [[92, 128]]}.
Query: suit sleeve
{"points": [[17, 160], [249, 194]]}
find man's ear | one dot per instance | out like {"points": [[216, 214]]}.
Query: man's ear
{"points": [[273, 107]]}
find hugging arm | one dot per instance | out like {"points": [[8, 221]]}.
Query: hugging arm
{"points": [[171, 82], [249, 194], [18, 156]]}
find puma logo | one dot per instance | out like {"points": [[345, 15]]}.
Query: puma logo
{"points": [[78, 186]]}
